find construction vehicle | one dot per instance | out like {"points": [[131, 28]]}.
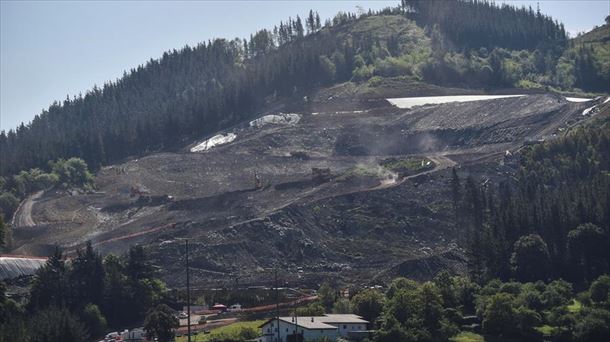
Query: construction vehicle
{"points": [[135, 191], [320, 175], [257, 181]]}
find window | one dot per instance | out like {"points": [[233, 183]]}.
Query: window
{"points": [[344, 326], [286, 329]]}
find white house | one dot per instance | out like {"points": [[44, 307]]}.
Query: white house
{"points": [[312, 327]]}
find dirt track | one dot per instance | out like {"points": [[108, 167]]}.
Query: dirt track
{"points": [[23, 215]]}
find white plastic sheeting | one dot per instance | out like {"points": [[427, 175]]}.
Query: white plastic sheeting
{"points": [[219, 139], [588, 110], [13, 267], [277, 119], [577, 99], [408, 102]]}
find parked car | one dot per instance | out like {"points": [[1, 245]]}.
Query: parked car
{"points": [[113, 336]]}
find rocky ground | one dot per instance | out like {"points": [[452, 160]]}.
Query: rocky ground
{"points": [[253, 203]]}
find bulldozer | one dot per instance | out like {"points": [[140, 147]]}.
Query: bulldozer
{"points": [[135, 191], [320, 175]]}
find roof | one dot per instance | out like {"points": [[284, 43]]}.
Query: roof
{"points": [[320, 322], [344, 318]]}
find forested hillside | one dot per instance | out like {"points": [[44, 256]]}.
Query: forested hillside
{"points": [[194, 91], [553, 221]]}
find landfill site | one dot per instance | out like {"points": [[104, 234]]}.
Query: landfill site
{"points": [[338, 188]]}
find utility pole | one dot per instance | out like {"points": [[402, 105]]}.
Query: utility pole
{"points": [[296, 326], [277, 305], [188, 292]]}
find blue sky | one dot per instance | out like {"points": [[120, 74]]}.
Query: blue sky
{"points": [[49, 49]]}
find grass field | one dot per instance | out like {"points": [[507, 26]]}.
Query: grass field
{"points": [[228, 331], [467, 337], [575, 306]]}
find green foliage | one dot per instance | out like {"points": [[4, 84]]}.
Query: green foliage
{"points": [[72, 172], [327, 295], [393, 66], [497, 22], [399, 284], [121, 289], [12, 319], [594, 327], [600, 289], [557, 293], [313, 309], [416, 314], [465, 293], [368, 304], [446, 286], [93, 319], [56, 324], [160, 323], [87, 278], [499, 315], [27, 182], [530, 259], [239, 331], [50, 286], [507, 310], [467, 337], [588, 246], [560, 194], [2, 231], [363, 73], [575, 306], [328, 68], [8, 204], [130, 288], [528, 320], [222, 82], [342, 306]]}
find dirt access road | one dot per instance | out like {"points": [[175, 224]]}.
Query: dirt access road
{"points": [[23, 215]]}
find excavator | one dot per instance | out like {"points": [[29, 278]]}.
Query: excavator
{"points": [[135, 191], [257, 181]]}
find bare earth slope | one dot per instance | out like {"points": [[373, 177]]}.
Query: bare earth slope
{"points": [[368, 221]]}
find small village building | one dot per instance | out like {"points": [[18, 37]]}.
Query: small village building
{"points": [[309, 328]]}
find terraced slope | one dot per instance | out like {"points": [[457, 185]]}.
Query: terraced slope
{"points": [[253, 200]]}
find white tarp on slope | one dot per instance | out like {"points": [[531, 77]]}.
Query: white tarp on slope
{"points": [[219, 139], [408, 102], [13, 267], [577, 99], [278, 119]]}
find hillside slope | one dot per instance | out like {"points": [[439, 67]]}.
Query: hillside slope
{"points": [[284, 148], [187, 93], [387, 200]]}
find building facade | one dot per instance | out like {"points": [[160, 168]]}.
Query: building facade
{"points": [[309, 328]]}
